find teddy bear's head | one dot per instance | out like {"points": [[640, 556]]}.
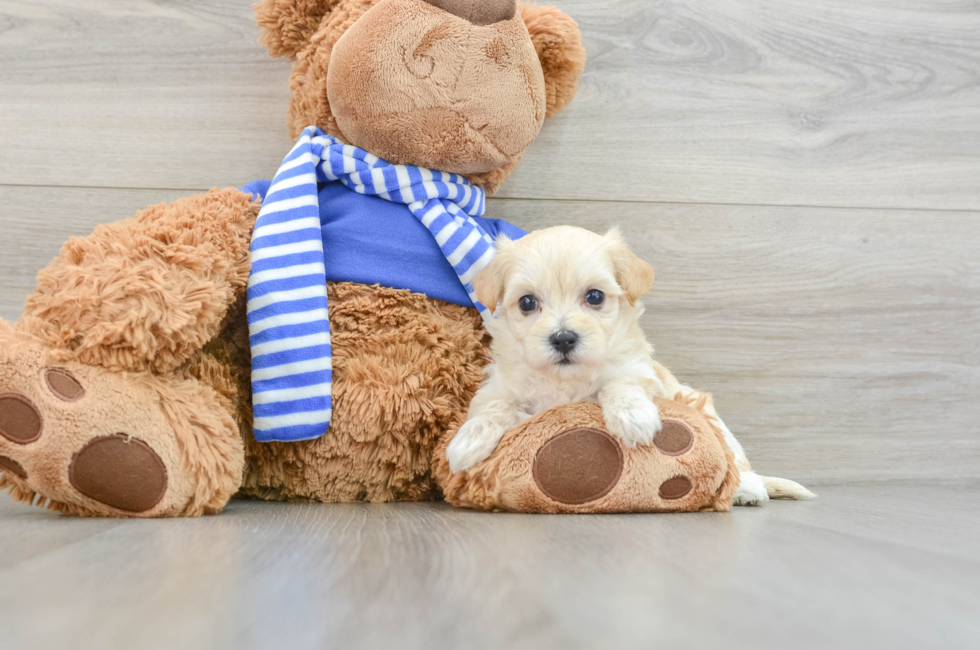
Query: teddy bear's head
{"points": [[461, 86]]}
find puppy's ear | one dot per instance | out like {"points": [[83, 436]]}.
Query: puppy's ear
{"points": [[489, 283], [634, 275]]}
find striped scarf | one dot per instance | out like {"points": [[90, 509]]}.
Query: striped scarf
{"points": [[288, 327]]}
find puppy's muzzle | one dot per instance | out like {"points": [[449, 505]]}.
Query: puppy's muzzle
{"points": [[564, 342]]}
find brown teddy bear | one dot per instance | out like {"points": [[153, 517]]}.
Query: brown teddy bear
{"points": [[125, 388]]}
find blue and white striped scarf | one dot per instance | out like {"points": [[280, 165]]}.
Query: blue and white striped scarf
{"points": [[288, 327]]}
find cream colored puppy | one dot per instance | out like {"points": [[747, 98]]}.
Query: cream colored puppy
{"points": [[566, 329]]}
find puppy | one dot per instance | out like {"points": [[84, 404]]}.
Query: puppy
{"points": [[566, 329]]}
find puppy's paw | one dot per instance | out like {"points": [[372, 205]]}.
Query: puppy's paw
{"points": [[634, 421], [751, 490], [474, 442]]}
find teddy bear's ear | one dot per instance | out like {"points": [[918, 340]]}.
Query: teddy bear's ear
{"points": [[288, 25], [559, 46]]}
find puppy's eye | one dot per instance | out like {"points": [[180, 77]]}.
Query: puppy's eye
{"points": [[528, 303], [594, 297]]}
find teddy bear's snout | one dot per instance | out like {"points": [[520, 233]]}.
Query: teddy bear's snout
{"points": [[478, 12], [438, 91]]}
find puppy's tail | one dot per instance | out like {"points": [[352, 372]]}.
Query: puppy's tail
{"points": [[782, 488]]}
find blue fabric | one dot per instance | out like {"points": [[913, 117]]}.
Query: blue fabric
{"points": [[257, 189], [336, 212], [373, 241]]}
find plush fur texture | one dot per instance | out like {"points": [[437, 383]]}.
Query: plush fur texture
{"points": [[429, 93], [420, 120], [505, 481], [288, 26], [127, 312], [404, 367], [146, 293]]}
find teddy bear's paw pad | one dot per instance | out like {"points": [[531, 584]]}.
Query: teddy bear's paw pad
{"points": [[63, 385], [578, 466], [674, 439], [12, 466], [20, 420], [675, 488], [121, 472]]}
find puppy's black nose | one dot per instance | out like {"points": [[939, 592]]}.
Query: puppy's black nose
{"points": [[564, 341]]}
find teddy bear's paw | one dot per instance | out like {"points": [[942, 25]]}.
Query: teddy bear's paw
{"points": [[86, 440], [569, 460]]}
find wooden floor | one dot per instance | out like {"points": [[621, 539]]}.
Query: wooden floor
{"points": [[805, 178], [860, 567]]}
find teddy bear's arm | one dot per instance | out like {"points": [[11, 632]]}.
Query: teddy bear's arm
{"points": [[147, 292]]}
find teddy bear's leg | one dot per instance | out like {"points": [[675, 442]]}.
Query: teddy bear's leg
{"points": [[146, 293], [106, 407]]}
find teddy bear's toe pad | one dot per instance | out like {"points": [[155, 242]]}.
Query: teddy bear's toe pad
{"points": [[63, 385], [578, 466], [12, 466], [675, 488], [20, 421], [674, 439], [121, 472]]}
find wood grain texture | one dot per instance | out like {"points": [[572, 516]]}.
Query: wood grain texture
{"points": [[138, 94], [846, 103], [835, 103], [861, 567], [840, 344]]}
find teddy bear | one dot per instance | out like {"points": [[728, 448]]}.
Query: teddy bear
{"points": [[133, 384]]}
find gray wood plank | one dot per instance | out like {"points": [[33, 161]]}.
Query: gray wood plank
{"points": [[847, 103], [138, 94], [839, 103], [840, 344], [861, 567]]}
